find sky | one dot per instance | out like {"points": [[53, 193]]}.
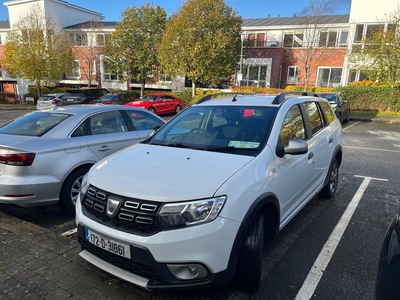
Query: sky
{"points": [[111, 10]]}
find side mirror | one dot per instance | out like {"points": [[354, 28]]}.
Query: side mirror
{"points": [[296, 147]]}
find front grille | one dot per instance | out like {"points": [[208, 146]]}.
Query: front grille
{"points": [[143, 270], [129, 215]]}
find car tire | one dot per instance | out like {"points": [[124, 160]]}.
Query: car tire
{"points": [[347, 119], [249, 267], [151, 109], [70, 190], [178, 109], [329, 190]]}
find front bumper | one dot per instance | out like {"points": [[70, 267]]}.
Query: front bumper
{"points": [[154, 259]]}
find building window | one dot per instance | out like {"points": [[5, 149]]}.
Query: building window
{"points": [[373, 29], [102, 38], [78, 39], [344, 35], [327, 38], [329, 77], [109, 75], [258, 39], [293, 75], [359, 33], [255, 76], [76, 70], [293, 39]]}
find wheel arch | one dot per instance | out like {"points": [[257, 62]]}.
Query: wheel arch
{"points": [[73, 170], [268, 204]]}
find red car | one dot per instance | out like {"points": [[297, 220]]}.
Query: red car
{"points": [[158, 103]]}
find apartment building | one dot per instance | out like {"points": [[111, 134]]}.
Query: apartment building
{"points": [[275, 50]]}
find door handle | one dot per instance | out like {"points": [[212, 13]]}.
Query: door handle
{"points": [[104, 148], [310, 155], [330, 140]]}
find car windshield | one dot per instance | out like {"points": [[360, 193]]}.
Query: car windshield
{"points": [[332, 98], [107, 96], [33, 124], [236, 129], [46, 98], [149, 98]]}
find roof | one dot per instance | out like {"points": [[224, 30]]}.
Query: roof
{"points": [[4, 24], [295, 20], [88, 25]]}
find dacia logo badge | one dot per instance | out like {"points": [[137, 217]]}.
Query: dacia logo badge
{"points": [[112, 207]]}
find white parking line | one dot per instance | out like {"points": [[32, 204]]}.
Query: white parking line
{"points": [[348, 127], [322, 261]]}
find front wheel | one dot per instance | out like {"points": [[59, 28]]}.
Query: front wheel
{"points": [[330, 188], [70, 190], [151, 109], [249, 267]]}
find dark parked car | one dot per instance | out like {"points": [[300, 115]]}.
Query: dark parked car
{"points": [[120, 98], [388, 278], [82, 96], [340, 106]]}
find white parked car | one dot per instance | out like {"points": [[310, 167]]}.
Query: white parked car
{"points": [[49, 101], [192, 205], [44, 154]]}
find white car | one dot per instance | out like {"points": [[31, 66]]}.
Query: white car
{"points": [[49, 101], [192, 205]]}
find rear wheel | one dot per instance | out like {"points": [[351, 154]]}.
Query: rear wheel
{"points": [[249, 267], [178, 109], [70, 190], [329, 190]]}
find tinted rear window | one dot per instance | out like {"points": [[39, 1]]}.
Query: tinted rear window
{"points": [[73, 93], [33, 124]]}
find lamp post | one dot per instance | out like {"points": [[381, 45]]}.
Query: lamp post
{"points": [[243, 36]]}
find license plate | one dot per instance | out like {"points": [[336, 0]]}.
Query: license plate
{"points": [[70, 100], [107, 244]]}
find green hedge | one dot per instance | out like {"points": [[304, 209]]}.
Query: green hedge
{"points": [[369, 98]]}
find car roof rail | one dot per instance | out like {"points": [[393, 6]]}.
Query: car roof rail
{"points": [[286, 95], [220, 95]]}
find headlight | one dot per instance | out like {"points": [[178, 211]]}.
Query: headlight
{"points": [[84, 186], [190, 213]]}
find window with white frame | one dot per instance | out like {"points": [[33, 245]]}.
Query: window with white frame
{"points": [[328, 38], [293, 75], [102, 39], [293, 39], [78, 39], [344, 35], [109, 75], [329, 76], [255, 75], [76, 70]]}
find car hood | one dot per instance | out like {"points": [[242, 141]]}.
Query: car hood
{"points": [[165, 174]]}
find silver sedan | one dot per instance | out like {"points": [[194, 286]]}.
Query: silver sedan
{"points": [[45, 154]]}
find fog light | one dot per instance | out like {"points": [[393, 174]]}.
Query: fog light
{"points": [[189, 271]]}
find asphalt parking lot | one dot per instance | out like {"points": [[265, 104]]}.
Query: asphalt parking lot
{"points": [[37, 262]]}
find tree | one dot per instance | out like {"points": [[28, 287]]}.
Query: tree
{"points": [[378, 57], [89, 53], [201, 41], [309, 53], [133, 48], [37, 50]]}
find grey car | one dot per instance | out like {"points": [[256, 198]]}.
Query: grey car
{"points": [[44, 154]]}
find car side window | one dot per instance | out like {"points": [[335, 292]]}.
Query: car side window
{"points": [[292, 126], [107, 122], [314, 116], [144, 121], [330, 115]]}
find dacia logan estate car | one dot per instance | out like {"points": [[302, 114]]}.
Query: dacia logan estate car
{"points": [[192, 205]]}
